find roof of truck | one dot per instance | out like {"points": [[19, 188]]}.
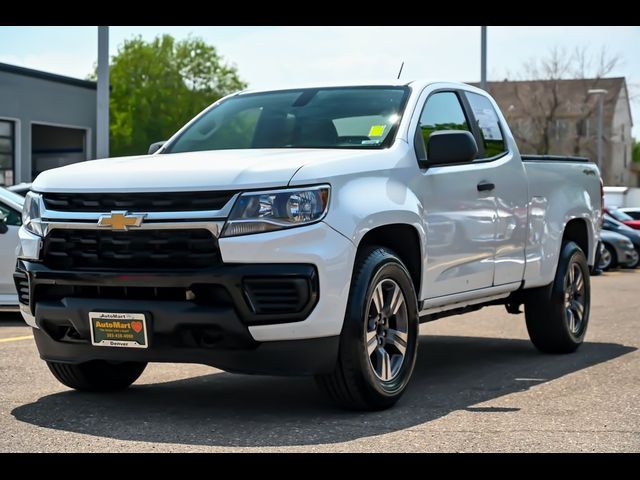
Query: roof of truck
{"points": [[354, 83]]}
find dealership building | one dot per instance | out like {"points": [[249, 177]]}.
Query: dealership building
{"points": [[46, 121]]}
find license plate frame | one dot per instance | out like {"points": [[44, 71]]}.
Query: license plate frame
{"points": [[118, 329]]}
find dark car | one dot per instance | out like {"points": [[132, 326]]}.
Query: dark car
{"points": [[633, 212], [623, 217], [617, 250], [610, 223]]}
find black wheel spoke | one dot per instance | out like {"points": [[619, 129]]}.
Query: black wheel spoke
{"points": [[398, 339], [372, 342]]}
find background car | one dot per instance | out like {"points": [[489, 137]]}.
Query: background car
{"points": [[633, 212], [611, 224], [620, 216], [618, 250], [10, 221]]}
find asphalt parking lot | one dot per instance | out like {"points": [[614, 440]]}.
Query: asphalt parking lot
{"points": [[478, 386]]}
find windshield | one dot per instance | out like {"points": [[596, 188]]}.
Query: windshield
{"points": [[353, 117], [620, 215]]}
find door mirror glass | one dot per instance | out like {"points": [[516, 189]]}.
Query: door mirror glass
{"points": [[4, 228]]}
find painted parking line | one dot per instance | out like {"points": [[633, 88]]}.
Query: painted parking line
{"points": [[15, 339]]}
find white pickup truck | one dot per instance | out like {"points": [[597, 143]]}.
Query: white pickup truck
{"points": [[306, 231]]}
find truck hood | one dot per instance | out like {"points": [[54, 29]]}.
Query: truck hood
{"points": [[192, 171]]}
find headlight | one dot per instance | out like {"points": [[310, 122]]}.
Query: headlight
{"points": [[625, 243], [256, 212], [31, 213]]}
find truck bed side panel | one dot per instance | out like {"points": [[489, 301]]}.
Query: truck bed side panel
{"points": [[559, 193]]}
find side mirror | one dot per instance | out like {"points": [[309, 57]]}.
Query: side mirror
{"points": [[451, 146], [4, 228], [154, 147], [447, 147]]}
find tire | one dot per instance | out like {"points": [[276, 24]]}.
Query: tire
{"points": [[371, 371], [609, 259], [554, 325], [97, 375], [596, 269], [635, 263]]}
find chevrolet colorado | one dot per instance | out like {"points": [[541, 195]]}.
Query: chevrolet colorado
{"points": [[306, 231]]}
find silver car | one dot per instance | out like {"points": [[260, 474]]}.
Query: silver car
{"points": [[617, 250], [10, 221]]}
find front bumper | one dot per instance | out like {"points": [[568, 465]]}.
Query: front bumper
{"points": [[192, 316], [225, 332], [288, 357], [627, 256]]}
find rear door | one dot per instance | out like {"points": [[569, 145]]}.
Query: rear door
{"points": [[505, 170]]}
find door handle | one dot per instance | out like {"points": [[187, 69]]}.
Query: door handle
{"points": [[486, 187]]}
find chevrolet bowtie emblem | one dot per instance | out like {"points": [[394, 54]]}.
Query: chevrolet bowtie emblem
{"points": [[120, 221]]}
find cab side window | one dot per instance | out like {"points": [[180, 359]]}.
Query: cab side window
{"points": [[442, 111], [488, 124]]}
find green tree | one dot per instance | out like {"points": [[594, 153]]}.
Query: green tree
{"points": [[157, 86], [636, 151]]}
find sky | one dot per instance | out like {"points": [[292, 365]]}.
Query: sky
{"points": [[271, 56]]}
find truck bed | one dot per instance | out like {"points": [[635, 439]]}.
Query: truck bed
{"points": [[560, 189]]}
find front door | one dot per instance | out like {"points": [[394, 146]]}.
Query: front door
{"points": [[460, 219]]}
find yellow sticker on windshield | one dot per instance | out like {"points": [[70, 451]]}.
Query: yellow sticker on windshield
{"points": [[376, 130]]}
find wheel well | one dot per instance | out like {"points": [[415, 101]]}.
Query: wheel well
{"points": [[576, 231], [403, 239]]}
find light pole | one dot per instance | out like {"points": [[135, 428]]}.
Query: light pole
{"points": [[600, 92], [102, 107], [483, 58]]}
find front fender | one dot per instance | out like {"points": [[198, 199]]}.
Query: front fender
{"points": [[363, 204]]}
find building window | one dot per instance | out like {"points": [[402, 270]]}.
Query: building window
{"points": [[558, 129], [7, 149], [625, 156], [582, 128]]}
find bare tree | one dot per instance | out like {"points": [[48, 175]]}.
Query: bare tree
{"points": [[539, 104]]}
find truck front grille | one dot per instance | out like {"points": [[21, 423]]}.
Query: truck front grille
{"points": [[137, 202], [58, 292], [132, 250]]}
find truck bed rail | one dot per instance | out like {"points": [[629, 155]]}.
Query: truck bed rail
{"points": [[554, 158]]}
